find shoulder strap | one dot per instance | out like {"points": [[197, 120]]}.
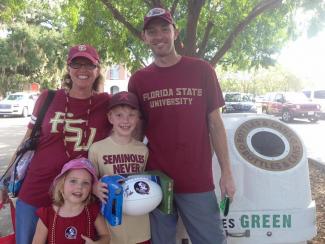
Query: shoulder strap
{"points": [[36, 129], [42, 112]]}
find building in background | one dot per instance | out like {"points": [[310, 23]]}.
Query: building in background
{"points": [[117, 78]]}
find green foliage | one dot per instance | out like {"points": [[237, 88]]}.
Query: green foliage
{"points": [[9, 8], [90, 22], [240, 37], [33, 50], [260, 81], [115, 26], [29, 54]]}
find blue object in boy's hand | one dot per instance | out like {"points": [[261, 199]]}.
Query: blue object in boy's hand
{"points": [[112, 209]]}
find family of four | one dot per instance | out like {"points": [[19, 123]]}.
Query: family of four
{"points": [[174, 102]]}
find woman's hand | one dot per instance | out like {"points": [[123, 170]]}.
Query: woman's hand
{"points": [[3, 196]]}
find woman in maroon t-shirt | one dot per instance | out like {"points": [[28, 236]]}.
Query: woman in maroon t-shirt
{"points": [[74, 120]]}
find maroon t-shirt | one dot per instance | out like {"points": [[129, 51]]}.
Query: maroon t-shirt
{"points": [[176, 102], [69, 229], [51, 154]]}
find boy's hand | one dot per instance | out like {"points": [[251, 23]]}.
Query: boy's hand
{"points": [[100, 190]]}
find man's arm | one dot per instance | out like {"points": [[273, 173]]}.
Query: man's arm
{"points": [[220, 146]]}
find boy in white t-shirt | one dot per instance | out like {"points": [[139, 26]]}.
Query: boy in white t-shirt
{"points": [[121, 154]]}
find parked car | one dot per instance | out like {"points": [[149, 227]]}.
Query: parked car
{"points": [[237, 102], [259, 99], [290, 105], [18, 103], [317, 96]]}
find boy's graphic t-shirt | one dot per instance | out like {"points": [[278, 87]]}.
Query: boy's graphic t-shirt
{"points": [[111, 158]]}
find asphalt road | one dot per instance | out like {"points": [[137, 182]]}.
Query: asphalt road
{"points": [[12, 131], [313, 136]]}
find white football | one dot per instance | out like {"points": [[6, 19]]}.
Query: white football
{"points": [[140, 196]]}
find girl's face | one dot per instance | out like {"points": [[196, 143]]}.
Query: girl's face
{"points": [[124, 120], [77, 186]]}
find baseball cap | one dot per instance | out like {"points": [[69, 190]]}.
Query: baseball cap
{"points": [[157, 13], [79, 163], [85, 51], [124, 98]]}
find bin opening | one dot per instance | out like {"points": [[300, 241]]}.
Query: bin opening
{"points": [[268, 144]]}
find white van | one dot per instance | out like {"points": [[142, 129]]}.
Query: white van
{"points": [[18, 103], [317, 96]]}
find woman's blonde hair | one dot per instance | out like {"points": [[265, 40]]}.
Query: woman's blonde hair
{"points": [[97, 86], [57, 190]]}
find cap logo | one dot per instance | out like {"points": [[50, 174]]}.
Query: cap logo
{"points": [[156, 12], [82, 48], [124, 96]]}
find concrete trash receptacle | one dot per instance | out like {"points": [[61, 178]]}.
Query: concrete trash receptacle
{"points": [[273, 201]]}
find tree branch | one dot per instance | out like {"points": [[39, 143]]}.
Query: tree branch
{"points": [[204, 42], [173, 8], [148, 2], [137, 57], [120, 18], [155, 3], [257, 10], [194, 10]]}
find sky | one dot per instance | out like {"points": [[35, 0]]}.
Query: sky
{"points": [[305, 58]]}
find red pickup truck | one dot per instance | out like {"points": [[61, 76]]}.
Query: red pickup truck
{"points": [[290, 105]]}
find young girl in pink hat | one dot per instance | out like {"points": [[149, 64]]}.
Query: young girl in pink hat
{"points": [[74, 217]]}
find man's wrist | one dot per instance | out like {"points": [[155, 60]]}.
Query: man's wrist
{"points": [[226, 171]]}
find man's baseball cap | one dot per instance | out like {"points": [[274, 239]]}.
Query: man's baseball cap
{"points": [[157, 13], [124, 98], [85, 51], [79, 163]]}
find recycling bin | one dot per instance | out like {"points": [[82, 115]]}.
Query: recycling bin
{"points": [[273, 201]]}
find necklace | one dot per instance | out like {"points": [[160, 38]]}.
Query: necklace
{"points": [[68, 115], [52, 241]]}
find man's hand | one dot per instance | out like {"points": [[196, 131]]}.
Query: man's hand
{"points": [[227, 185]]}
